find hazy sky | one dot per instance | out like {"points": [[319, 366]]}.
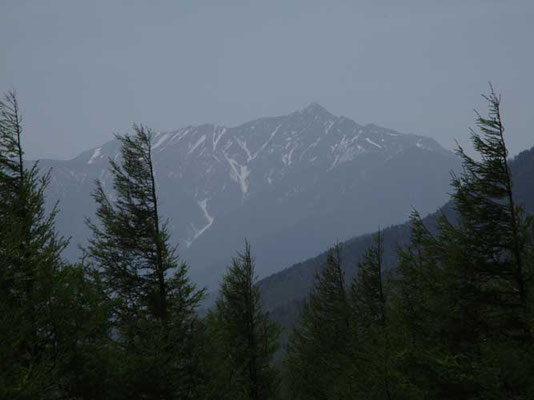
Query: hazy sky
{"points": [[84, 70]]}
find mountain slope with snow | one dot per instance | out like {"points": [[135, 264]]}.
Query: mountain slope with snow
{"points": [[291, 184]]}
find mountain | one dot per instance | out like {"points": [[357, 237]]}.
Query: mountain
{"points": [[290, 184], [284, 293]]}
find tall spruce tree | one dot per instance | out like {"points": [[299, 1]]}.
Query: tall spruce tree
{"points": [[243, 338], [29, 265], [318, 351], [155, 302]]}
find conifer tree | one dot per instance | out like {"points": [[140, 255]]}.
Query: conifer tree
{"points": [[29, 265], [470, 301], [53, 323], [371, 341], [426, 311], [88, 362], [318, 352], [243, 338], [492, 224], [155, 302], [494, 232]]}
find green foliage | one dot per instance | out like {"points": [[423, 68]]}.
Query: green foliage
{"points": [[154, 310], [455, 321], [318, 351], [368, 293], [52, 322], [243, 340], [371, 375], [29, 264], [88, 361], [463, 293]]}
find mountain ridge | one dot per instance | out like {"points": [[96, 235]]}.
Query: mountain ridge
{"points": [[262, 178]]}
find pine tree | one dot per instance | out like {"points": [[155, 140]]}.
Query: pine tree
{"points": [[155, 301], [318, 352], [29, 265], [243, 339]]}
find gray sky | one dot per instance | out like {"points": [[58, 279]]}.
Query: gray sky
{"points": [[84, 70]]}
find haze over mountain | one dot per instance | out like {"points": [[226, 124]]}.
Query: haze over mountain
{"points": [[284, 293], [270, 180], [415, 65]]}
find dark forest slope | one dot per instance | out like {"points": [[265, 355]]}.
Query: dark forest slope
{"points": [[285, 292]]}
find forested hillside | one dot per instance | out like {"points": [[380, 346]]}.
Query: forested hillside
{"points": [[453, 321], [284, 292]]}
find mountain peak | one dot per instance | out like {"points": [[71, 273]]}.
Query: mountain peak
{"points": [[288, 166], [315, 109]]}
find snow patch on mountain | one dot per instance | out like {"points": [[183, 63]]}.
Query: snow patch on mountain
{"points": [[239, 173], [96, 154], [180, 134], [160, 140], [198, 143], [267, 142], [373, 143], [217, 135], [243, 145], [287, 157], [203, 204]]}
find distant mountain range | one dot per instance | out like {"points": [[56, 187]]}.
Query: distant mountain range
{"points": [[292, 185], [284, 293]]}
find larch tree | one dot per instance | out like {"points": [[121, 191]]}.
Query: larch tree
{"points": [[30, 262], [470, 318], [494, 231], [318, 350], [371, 341], [243, 338], [154, 301]]}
